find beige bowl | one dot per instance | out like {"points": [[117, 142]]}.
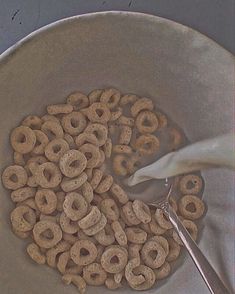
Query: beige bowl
{"points": [[188, 75]]}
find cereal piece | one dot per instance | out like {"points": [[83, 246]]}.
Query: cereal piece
{"points": [[119, 194], [46, 200], [70, 238], [56, 149], [163, 271], [146, 122], [92, 218], [133, 163], [102, 159], [149, 277], [51, 218], [114, 259], [99, 113], [173, 204], [136, 235], [162, 220], [146, 228], [78, 281], [52, 129], [60, 195], [100, 250], [31, 204], [129, 274], [33, 251], [162, 120], [48, 175], [125, 135], [107, 147], [75, 206], [106, 236], [123, 220], [128, 99], [197, 205], [48, 117], [122, 149], [92, 154], [162, 241], [141, 104], [67, 225], [19, 158], [118, 277], [22, 194], [43, 226], [174, 250], [99, 130], [87, 192], [97, 199], [130, 214], [111, 284], [104, 185], [155, 228], [96, 178], [119, 233], [110, 209], [59, 109], [86, 138], [69, 184], [41, 142], [147, 144], [74, 123], [23, 218], [176, 138], [94, 96], [66, 265], [78, 100], [120, 165], [110, 97], [20, 234], [72, 163], [33, 122], [97, 227], [190, 184], [37, 159], [153, 260], [52, 253], [142, 211], [134, 250], [70, 140], [191, 228], [124, 120], [94, 274], [83, 252], [23, 139], [116, 114]]}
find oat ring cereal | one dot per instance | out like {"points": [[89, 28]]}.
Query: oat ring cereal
{"points": [[99, 113], [100, 131], [162, 241], [162, 219], [78, 100], [175, 138], [130, 276], [71, 184], [195, 202], [119, 233], [94, 96], [105, 237], [142, 211], [110, 97], [87, 192], [52, 253], [141, 104], [92, 218], [147, 144], [41, 142], [86, 138], [114, 259], [75, 206], [148, 275], [163, 271], [190, 184], [104, 185], [46, 200], [130, 214], [48, 175], [120, 165], [92, 154], [125, 135], [149, 260], [33, 122], [119, 193], [23, 218], [72, 163], [33, 251], [91, 231], [74, 123], [66, 265], [146, 122], [83, 252], [94, 274], [55, 149], [43, 226], [128, 99], [23, 139], [191, 228], [52, 129], [110, 209], [174, 250], [67, 225], [14, 177], [136, 235], [22, 194], [77, 280]]}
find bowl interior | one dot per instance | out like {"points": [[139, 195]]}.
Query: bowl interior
{"points": [[187, 75]]}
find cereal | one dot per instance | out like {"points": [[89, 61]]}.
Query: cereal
{"points": [[23, 139], [129, 274], [74, 123], [46, 200], [97, 199], [190, 184], [71, 184], [33, 251], [106, 236], [111, 284], [92, 154], [31, 204], [163, 271], [70, 140], [87, 192], [56, 149], [19, 158], [60, 200], [191, 228], [107, 147], [134, 250], [133, 163], [128, 99], [120, 165], [23, 218], [67, 225], [94, 274], [52, 129], [162, 120], [92, 218], [59, 109], [70, 238], [22, 194], [100, 132], [96, 178], [83, 252], [78, 100], [136, 235], [86, 138], [197, 210], [141, 104], [146, 122], [104, 185], [125, 135], [97, 227], [130, 214], [20, 234], [115, 114], [124, 120], [33, 122], [153, 261], [78, 281], [101, 160], [155, 228], [162, 241], [148, 275], [119, 233], [110, 97], [66, 265], [72, 163], [119, 193], [147, 144], [48, 175], [52, 253], [75, 206], [122, 149], [162, 220], [142, 211], [48, 117], [43, 226], [174, 250], [114, 259], [98, 113], [175, 138], [110, 209], [95, 95]]}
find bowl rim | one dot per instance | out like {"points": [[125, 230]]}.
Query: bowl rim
{"points": [[116, 13]]}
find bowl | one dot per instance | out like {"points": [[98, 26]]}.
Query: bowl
{"points": [[187, 75]]}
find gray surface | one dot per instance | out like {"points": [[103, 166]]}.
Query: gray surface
{"points": [[214, 18]]}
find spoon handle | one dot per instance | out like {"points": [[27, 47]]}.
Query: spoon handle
{"points": [[213, 281]]}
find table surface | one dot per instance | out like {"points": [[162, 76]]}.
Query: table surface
{"points": [[214, 18]]}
